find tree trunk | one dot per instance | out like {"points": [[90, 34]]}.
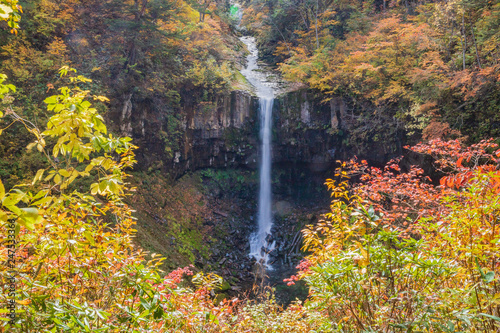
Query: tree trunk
{"points": [[475, 46], [316, 25], [448, 51], [464, 43], [139, 13], [304, 20]]}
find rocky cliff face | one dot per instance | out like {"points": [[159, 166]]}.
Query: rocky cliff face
{"points": [[317, 132], [308, 133], [194, 135], [221, 135]]}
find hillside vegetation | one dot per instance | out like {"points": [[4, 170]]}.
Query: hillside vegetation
{"points": [[398, 251], [151, 53], [149, 58], [428, 68]]}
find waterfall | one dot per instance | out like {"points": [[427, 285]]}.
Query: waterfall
{"points": [[259, 244]]}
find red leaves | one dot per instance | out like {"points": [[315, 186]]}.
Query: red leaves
{"points": [[304, 267], [404, 198], [400, 197], [450, 155], [175, 277]]}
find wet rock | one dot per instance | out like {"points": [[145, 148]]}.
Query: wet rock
{"points": [[283, 208]]}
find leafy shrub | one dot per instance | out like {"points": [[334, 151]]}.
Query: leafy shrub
{"points": [[396, 253]]}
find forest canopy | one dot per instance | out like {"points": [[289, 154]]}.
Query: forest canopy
{"points": [[431, 67]]}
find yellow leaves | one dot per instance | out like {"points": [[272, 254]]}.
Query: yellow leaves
{"points": [[38, 176], [378, 67], [109, 185], [3, 216], [63, 71], [29, 217], [24, 302], [79, 78], [64, 233], [101, 98], [365, 259], [5, 11], [64, 173], [57, 179], [9, 11], [207, 280], [89, 167], [57, 47]]}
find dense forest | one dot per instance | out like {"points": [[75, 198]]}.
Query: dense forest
{"points": [[129, 166]]}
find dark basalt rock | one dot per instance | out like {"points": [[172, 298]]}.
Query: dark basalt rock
{"points": [[225, 134]]}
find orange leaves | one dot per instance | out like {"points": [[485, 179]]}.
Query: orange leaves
{"points": [[58, 48], [399, 196], [471, 83], [447, 153], [451, 228], [380, 66], [456, 181], [24, 302], [405, 197]]}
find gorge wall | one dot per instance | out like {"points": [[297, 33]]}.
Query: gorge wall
{"points": [[308, 132]]}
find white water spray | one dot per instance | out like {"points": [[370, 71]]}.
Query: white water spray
{"points": [[259, 244]]}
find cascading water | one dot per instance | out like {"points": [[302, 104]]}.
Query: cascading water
{"points": [[259, 244]]}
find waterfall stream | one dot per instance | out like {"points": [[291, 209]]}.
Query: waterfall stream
{"points": [[260, 247]]}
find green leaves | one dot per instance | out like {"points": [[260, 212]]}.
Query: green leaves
{"points": [[5, 88], [370, 268], [490, 316], [26, 216], [30, 217], [489, 277], [79, 128], [486, 277]]}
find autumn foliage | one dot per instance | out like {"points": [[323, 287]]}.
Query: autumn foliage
{"points": [[400, 252], [428, 68]]}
